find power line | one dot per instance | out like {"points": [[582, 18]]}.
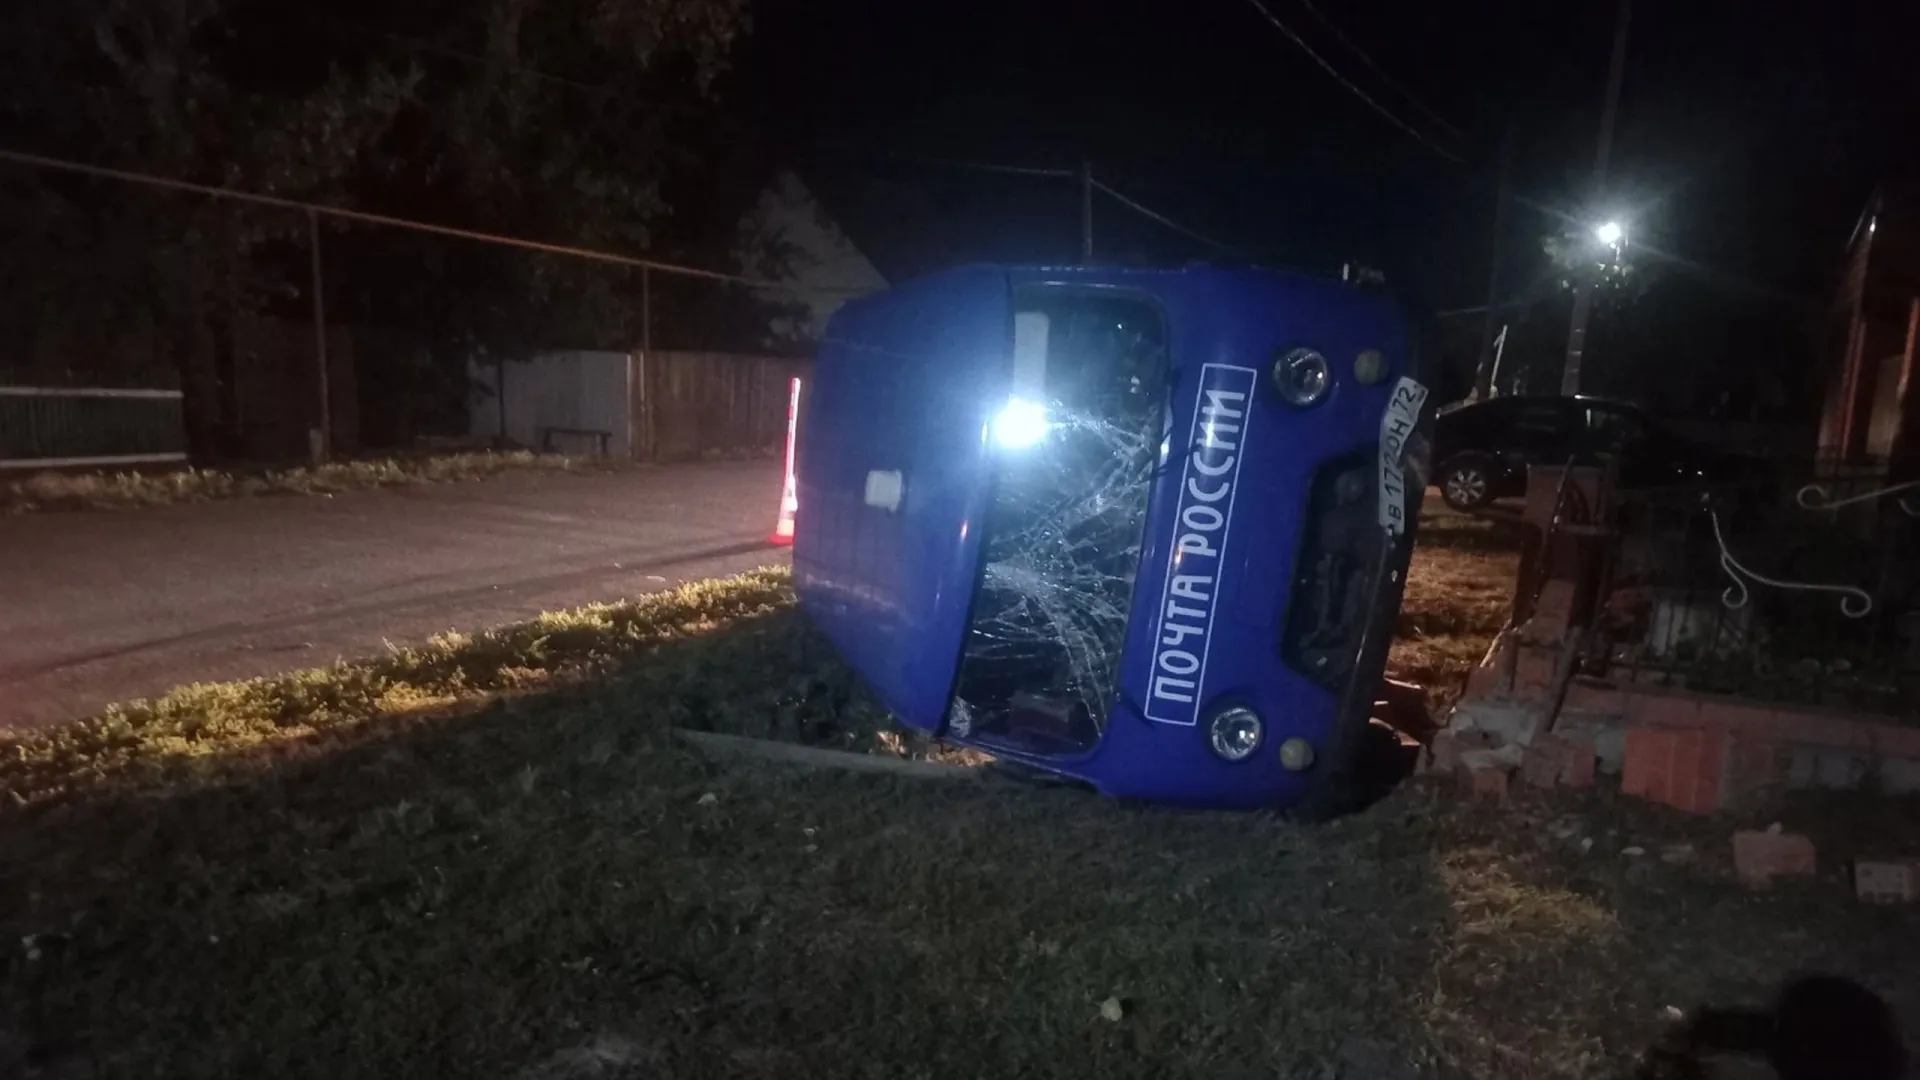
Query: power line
{"points": [[1161, 218], [1355, 90], [1375, 68], [277, 202], [985, 166], [1067, 174]]}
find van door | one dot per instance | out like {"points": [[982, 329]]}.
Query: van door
{"points": [[893, 473]]}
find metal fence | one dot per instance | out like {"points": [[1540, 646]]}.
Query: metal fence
{"points": [[1802, 589], [64, 427]]}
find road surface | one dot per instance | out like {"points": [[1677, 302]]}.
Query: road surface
{"points": [[102, 607]]}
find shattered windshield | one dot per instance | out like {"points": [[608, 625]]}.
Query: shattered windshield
{"points": [[1064, 530]]}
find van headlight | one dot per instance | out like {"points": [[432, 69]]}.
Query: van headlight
{"points": [[1302, 377], [1020, 424], [1234, 734]]}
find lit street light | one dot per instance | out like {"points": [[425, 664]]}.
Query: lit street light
{"points": [[1610, 233]]}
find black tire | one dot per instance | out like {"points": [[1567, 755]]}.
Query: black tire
{"points": [[1467, 483]]}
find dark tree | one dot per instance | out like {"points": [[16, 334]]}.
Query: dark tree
{"points": [[571, 121]]}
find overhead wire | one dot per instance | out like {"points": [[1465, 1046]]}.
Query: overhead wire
{"points": [[1159, 217], [1357, 51], [1068, 174], [985, 166], [363, 217], [1385, 112]]}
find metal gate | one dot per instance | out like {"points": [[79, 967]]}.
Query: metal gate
{"points": [[88, 427]]}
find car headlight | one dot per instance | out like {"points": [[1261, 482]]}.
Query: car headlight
{"points": [[1302, 377], [1234, 734]]}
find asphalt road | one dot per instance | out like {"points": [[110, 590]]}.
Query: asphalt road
{"points": [[102, 607]]}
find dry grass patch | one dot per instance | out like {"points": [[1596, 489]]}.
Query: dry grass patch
{"points": [[1459, 594], [121, 491]]}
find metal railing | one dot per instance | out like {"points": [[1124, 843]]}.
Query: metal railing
{"points": [[1803, 589], [81, 427]]}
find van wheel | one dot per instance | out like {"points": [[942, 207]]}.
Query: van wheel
{"points": [[1466, 484]]}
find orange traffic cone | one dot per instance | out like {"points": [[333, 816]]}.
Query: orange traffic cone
{"points": [[789, 496]]}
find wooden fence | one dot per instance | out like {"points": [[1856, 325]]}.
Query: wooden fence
{"points": [[691, 405]]}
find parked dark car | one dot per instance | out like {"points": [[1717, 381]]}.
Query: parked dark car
{"points": [[1482, 449]]}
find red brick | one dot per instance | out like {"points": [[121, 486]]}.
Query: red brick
{"points": [[1589, 696], [1662, 707], [1534, 672], [1700, 771], [1887, 881], [1759, 857], [1737, 715], [1645, 768], [1485, 682], [1684, 769]]}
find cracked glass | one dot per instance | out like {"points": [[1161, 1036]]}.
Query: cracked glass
{"points": [[1075, 452]]}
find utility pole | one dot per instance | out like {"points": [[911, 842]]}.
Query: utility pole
{"points": [[322, 442], [1086, 213], [644, 414], [646, 309], [1583, 289], [1483, 373]]}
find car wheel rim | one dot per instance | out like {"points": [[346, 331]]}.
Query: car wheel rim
{"points": [[1466, 486]]}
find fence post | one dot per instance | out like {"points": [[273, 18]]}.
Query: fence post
{"points": [[322, 442]]}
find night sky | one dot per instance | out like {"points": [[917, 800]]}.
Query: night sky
{"points": [[1749, 139]]}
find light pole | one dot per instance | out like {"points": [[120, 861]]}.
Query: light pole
{"points": [[1612, 237], [1583, 289]]}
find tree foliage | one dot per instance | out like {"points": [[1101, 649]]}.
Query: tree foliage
{"points": [[586, 122]]}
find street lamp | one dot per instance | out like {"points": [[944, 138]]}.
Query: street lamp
{"points": [[1610, 233]]}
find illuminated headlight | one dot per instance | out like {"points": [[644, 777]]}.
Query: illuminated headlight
{"points": [[1302, 377], [1234, 734], [1020, 424]]}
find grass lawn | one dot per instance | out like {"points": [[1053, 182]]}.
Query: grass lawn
{"points": [[487, 858], [123, 491]]}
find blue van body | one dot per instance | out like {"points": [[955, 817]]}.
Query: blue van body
{"points": [[1196, 541]]}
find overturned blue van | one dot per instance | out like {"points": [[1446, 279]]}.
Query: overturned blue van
{"points": [[1144, 528]]}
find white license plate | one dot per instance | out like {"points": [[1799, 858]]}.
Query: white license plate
{"points": [[1396, 427]]}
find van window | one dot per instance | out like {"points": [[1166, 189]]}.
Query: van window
{"points": [[1065, 528]]}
